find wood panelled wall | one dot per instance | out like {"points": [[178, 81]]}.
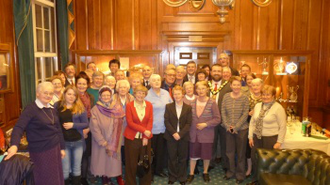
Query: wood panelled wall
{"points": [[152, 25], [10, 103]]}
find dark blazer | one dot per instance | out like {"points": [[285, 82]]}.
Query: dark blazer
{"points": [[226, 89], [171, 121], [234, 72], [145, 84], [134, 124], [66, 82], [186, 78]]}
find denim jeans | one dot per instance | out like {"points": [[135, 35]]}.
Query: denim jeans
{"points": [[72, 160]]}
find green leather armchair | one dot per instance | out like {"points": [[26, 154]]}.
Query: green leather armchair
{"points": [[284, 167]]}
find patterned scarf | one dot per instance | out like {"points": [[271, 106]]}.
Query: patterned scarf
{"points": [[116, 112], [260, 118]]}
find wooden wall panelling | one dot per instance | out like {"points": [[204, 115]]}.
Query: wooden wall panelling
{"points": [[286, 29], [124, 24], [11, 102], [107, 24], [81, 23], [268, 27], [314, 40]]}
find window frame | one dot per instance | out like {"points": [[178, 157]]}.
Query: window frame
{"points": [[53, 54]]}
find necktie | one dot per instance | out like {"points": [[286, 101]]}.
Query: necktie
{"points": [[170, 91], [147, 83], [215, 86], [191, 79]]}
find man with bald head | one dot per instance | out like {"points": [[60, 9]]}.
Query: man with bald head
{"points": [[223, 60], [146, 73]]}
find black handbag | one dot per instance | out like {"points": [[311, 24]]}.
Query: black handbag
{"points": [[143, 165]]}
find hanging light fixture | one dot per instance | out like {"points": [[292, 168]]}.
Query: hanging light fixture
{"points": [[222, 12]]}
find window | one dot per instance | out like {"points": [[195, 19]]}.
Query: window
{"points": [[44, 32]]}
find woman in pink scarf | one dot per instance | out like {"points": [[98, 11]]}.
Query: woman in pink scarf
{"points": [[106, 126]]}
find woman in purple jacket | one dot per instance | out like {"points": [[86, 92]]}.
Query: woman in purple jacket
{"points": [[73, 119], [43, 132], [205, 116]]}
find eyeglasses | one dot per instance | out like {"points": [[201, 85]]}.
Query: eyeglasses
{"points": [[48, 94]]}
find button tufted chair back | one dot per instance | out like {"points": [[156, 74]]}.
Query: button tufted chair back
{"points": [[314, 165]]}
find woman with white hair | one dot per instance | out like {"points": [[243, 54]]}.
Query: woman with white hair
{"points": [[254, 98], [158, 98], [123, 97], [111, 82], [43, 130]]}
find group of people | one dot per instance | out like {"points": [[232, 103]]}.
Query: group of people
{"points": [[89, 125]]}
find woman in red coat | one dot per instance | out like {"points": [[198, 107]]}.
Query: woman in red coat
{"points": [[139, 117]]}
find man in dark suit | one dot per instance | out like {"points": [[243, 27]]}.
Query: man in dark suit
{"points": [[223, 60], [70, 73], [218, 88], [191, 72], [146, 73], [178, 117]]}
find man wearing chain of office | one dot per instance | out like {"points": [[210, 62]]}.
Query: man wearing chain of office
{"points": [[218, 88]]}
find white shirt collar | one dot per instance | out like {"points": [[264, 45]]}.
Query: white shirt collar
{"points": [[40, 105], [143, 105]]}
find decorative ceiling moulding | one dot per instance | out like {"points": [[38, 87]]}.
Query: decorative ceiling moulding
{"points": [[194, 4], [262, 3]]}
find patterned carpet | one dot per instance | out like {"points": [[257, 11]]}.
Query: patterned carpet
{"points": [[216, 176]]}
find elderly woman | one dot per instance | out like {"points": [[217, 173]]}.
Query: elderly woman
{"points": [[73, 119], [44, 134], [111, 82], [189, 97], [178, 118], [205, 116], [106, 126], [158, 98], [139, 115], [234, 112], [124, 98], [58, 89], [267, 125], [97, 83], [82, 83], [254, 98], [201, 75], [135, 80]]}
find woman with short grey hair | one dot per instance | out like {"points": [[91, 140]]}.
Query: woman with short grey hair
{"points": [[43, 131]]}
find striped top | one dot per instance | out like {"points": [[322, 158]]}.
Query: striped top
{"points": [[235, 112]]}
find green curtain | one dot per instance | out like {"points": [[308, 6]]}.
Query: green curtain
{"points": [[24, 41], [62, 27]]}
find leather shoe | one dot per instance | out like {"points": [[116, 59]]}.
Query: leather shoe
{"points": [[162, 174], [226, 178], [206, 177], [239, 181], [170, 182], [190, 179], [182, 183], [225, 169], [253, 183]]}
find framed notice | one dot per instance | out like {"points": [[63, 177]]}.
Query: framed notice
{"points": [[6, 74]]}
